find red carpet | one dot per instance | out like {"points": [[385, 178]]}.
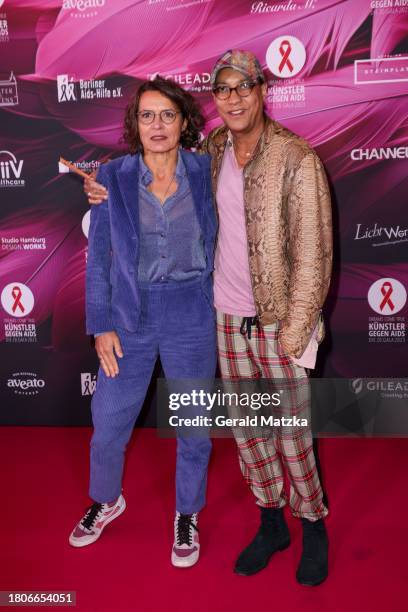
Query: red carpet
{"points": [[44, 473]]}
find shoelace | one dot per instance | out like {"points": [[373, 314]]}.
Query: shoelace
{"points": [[91, 515], [184, 531], [248, 321]]}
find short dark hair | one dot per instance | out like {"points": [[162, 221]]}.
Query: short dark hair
{"points": [[186, 104]]}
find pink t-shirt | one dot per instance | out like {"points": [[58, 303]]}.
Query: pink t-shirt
{"points": [[232, 282]]}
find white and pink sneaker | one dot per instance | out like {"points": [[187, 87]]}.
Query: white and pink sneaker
{"points": [[94, 522], [186, 547]]}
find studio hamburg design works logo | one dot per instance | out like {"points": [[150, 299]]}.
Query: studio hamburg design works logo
{"points": [[286, 56], [387, 296], [17, 300]]}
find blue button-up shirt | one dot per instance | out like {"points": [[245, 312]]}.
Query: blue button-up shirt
{"points": [[171, 244]]}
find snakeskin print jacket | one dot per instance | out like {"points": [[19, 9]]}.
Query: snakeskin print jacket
{"points": [[289, 231]]}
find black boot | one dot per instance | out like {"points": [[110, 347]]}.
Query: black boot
{"points": [[313, 566], [272, 535]]}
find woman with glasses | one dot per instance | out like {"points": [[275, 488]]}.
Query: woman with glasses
{"points": [[149, 295]]}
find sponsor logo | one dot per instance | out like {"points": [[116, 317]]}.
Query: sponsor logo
{"points": [[17, 300], [88, 383], [86, 220], [282, 7], [181, 4], [286, 56], [23, 243], [85, 89], [381, 235], [197, 82], [25, 383], [4, 33], [11, 170], [8, 91], [381, 70], [285, 59], [379, 154], [65, 88], [387, 296], [82, 8], [86, 166], [387, 389], [389, 6]]}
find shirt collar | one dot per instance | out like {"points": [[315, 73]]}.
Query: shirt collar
{"points": [[146, 175]]}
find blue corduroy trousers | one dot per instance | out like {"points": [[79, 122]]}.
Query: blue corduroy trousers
{"points": [[177, 323]]}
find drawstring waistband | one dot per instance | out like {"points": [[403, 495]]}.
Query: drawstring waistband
{"points": [[248, 321]]}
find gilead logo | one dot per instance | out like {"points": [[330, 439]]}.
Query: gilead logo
{"points": [[17, 300], [387, 296], [286, 56]]}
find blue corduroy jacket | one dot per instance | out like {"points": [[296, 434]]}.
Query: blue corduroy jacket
{"points": [[112, 292]]}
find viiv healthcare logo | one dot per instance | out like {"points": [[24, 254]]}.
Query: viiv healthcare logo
{"points": [[88, 383], [82, 9], [11, 170], [381, 70], [25, 383], [387, 297], [65, 88], [18, 301], [8, 91], [285, 58]]}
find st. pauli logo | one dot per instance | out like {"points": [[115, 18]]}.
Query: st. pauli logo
{"points": [[17, 300], [286, 56], [387, 296]]}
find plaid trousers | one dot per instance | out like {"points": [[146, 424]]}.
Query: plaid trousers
{"points": [[263, 456]]}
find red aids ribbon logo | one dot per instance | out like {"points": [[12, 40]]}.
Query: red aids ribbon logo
{"points": [[394, 296], [17, 295], [285, 56], [17, 299], [387, 290], [285, 50]]}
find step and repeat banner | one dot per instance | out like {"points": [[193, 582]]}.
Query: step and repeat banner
{"points": [[337, 75]]}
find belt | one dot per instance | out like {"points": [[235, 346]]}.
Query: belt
{"points": [[248, 322]]}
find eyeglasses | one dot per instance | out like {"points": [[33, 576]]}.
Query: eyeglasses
{"points": [[243, 89], [167, 116]]}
